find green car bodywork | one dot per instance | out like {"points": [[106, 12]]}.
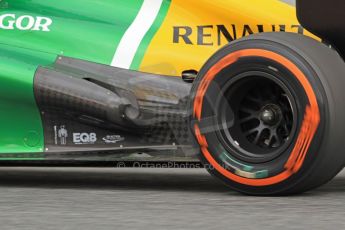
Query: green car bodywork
{"points": [[87, 29], [34, 33]]}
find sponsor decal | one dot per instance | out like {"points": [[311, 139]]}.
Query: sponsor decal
{"points": [[113, 139], [25, 22], [60, 135], [84, 138], [210, 35]]}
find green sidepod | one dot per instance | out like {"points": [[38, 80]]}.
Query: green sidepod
{"points": [[33, 33]]}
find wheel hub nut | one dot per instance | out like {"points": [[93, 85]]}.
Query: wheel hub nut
{"points": [[270, 115]]}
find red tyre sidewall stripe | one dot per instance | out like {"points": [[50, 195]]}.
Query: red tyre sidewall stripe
{"points": [[308, 128]]}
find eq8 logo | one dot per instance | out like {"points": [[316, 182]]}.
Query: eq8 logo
{"points": [[84, 138], [24, 22]]}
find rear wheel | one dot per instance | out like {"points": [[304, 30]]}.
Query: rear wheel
{"points": [[268, 112]]}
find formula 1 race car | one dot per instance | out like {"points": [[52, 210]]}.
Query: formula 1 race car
{"points": [[177, 81]]}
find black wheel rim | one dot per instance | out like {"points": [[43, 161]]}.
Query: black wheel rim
{"points": [[265, 116]]}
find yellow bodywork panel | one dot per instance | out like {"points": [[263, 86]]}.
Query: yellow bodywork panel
{"points": [[194, 30]]}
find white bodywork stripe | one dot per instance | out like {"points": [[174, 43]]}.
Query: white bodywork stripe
{"points": [[132, 38]]}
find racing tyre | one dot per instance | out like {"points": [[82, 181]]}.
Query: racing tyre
{"points": [[268, 113]]}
